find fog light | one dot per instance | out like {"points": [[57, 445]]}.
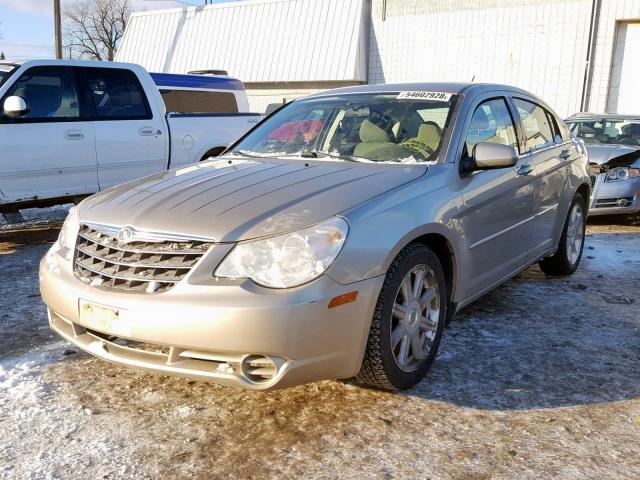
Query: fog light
{"points": [[623, 202]]}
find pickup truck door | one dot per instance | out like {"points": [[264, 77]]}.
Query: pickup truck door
{"points": [[548, 154], [498, 204], [50, 151], [130, 139]]}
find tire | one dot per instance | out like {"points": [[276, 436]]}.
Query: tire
{"points": [[383, 365], [569, 253]]}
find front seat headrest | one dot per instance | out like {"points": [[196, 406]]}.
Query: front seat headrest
{"points": [[429, 134], [370, 132]]}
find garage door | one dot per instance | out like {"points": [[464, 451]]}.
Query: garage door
{"points": [[624, 96]]}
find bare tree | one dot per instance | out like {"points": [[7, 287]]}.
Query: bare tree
{"points": [[93, 28]]}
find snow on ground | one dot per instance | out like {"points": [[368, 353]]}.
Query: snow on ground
{"points": [[38, 217], [537, 379]]}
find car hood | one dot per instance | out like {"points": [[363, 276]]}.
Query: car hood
{"points": [[601, 154], [231, 200]]}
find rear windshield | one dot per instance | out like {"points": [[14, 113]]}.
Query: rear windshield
{"points": [[398, 127], [607, 131], [5, 72]]}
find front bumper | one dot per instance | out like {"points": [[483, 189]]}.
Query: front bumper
{"points": [[614, 197], [213, 332]]}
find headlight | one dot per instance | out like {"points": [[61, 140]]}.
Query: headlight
{"points": [[287, 260], [68, 234], [619, 174]]}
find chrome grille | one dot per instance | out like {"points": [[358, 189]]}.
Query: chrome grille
{"points": [[101, 260]]}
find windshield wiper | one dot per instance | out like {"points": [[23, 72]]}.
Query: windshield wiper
{"points": [[241, 153], [321, 154]]}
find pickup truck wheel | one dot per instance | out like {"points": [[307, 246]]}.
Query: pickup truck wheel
{"points": [[567, 257], [408, 321]]}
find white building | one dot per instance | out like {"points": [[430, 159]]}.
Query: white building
{"points": [[576, 54]]}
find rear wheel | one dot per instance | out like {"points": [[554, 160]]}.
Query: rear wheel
{"points": [[408, 321], [567, 258]]}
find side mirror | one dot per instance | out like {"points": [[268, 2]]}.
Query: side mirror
{"points": [[15, 106], [489, 156]]}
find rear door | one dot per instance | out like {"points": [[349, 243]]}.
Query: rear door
{"points": [[498, 204], [130, 141], [549, 155], [50, 151]]}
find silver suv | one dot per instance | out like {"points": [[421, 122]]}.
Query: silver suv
{"points": [[335, 240]]}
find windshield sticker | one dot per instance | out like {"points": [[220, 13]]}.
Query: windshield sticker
{"points": [[422, 95]]}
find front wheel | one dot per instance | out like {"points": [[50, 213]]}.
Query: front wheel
{"points": [[567, 258], [408, 321]]}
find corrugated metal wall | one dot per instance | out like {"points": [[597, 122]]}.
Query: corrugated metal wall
{"points": [[537, 45], [256, 41]]}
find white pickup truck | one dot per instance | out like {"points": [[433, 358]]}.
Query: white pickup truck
{"points": [[71, 128]]}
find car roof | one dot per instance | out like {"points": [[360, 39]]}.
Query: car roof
{"points": [[446, 87], [70, 63], [612, 116]]}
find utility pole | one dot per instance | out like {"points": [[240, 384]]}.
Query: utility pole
{"points": [[57, 28]]}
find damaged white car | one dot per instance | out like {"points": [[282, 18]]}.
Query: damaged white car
{"points": [[613, 143]]}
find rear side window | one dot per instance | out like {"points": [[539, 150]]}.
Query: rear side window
{"points": [[197, 101], [538, 131], [116, 94], [49, 92], [491, 122]]}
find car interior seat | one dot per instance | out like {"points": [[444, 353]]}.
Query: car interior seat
{"points": [[429, 133], [372, 138]]}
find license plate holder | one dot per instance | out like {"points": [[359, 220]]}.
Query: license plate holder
{"points": [[101, 317]]}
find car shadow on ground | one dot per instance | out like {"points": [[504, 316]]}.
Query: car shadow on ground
{"points": [[539, 342]]}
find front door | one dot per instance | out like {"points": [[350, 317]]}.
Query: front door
{"points": [[130, 141], [498, 204], [50, 151]]}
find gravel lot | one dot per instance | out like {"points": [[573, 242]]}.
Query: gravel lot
{"points": [[538, 379]]}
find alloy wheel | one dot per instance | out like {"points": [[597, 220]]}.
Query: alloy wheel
{"points": [[575, 233], [415, 316]]}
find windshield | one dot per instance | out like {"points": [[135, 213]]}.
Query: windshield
{"points": [[404, 127], [5, 72], [607, 131]]}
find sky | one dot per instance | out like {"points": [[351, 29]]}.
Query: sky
{"points": [[26, 26]]}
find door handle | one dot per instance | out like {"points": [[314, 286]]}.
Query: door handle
{"points": [[146, 131], [74, 135], [525, 169], [565, 153]]}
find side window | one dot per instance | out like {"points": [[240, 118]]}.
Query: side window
{"points": [[116, 94], [535, 122], [49, 92], [491, 122], [195, 101]]}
